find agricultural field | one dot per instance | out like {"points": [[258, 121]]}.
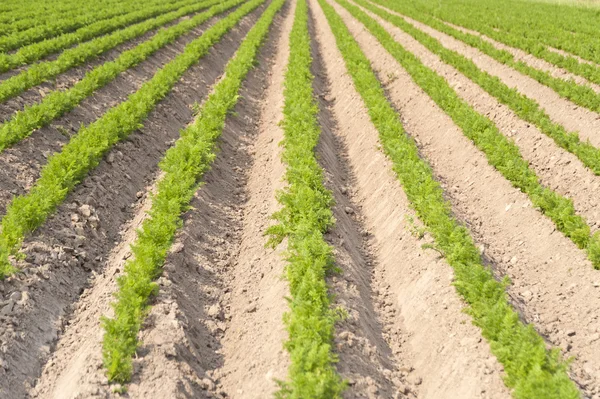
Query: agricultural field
{"points": [[300, 199]]}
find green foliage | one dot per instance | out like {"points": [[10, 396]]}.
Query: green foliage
{"points": [[78, 55], [81, 17], [525, 107], [501, 152], [84, 151], [531, 370], [57, 103], [516, 26], [304, 217], [183, 165], [56, 14]]}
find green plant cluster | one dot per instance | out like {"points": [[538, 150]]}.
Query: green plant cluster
{"points": [[84, 151], [37, 51], [183, 166], [502, 153], [40, 72], [521, 30], [57, 103], [67, 18], [75, 19], [531, 370], [304, 217], [17, 11], [581, 95]]}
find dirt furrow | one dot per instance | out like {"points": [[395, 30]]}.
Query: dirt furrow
{"points": [[212, 276], [525, 57], [560, 110], [554, 285], [234, 328], [366, 359], [422, 314], [558, 169], [20, 165], [63, 255]]}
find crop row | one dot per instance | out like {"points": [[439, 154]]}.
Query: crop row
{"points": [[304, 217], [85, 149], [523, 41], [183, 167], [569, 89], [525, 107], [516, 23], [501, 152], [73, 20], [37, 11], [57, 103], [37, 51], [73, 57], [531, 370]]}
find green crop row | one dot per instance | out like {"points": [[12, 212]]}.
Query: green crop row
{"points": [[73, 20], [501, 152], [37, 51], [84, 151], [523, 41], [531, 370], [565, 28], [569, 89], [304, 217], [57, 103], [525, 107], [183, 166], [70, 19], [73, 57], [41, 9]]}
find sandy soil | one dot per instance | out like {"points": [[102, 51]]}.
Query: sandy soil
{"points": [[73, 245], [215, 329], [554, 285]]}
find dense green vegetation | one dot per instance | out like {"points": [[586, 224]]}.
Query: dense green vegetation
{"points": [[98, 22], [75, 56], [56, 103], [531, 370], [183, 166], [581, 95], [517, 24], [84, 151], [304, 217], [36, 51], [501, 152]]}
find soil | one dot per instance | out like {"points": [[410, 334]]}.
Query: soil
{"points": [[20, 164], [216, 327], [529, 59], [422, 324], [553, 284], [65, 255]]}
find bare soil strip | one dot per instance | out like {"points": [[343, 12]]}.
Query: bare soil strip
{"points": [[529, 59], [216, 326], [366, 358], [554, 285], [422, 319], [566, 54], [571, 116], [20, 165], [558, 169], [74, 244]]}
